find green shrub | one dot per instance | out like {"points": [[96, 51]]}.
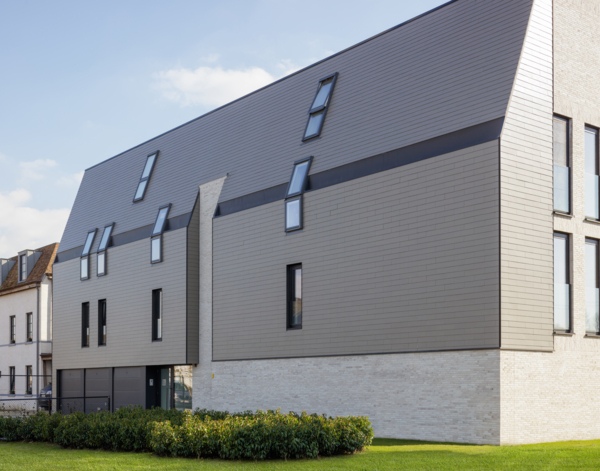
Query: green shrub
{"points": [[246, 435]]}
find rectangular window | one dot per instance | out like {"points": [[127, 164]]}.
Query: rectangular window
{"points": [[157, 314], [592, 196], [11, 372], [102, 322], [562, 286], [319, 107], [104, 243], [140, 192], [561, 164], [28, 380], [294, 296], [293, 214], [294, 194], [13, 329], [29, 327], [158, 229], [84, 273], [85, 325], [592, 298], [22, 267]]}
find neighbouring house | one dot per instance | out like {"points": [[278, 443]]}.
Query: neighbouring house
{"points": [[407, 229], [26, 326]]}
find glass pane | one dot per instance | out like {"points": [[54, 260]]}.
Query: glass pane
{"points": [[560, 142], [314, 123], [156, 249], [592, 319], [140, 189], [101, 263], [561, 307], [298, 178], [148, 167], [560, 260], [182, 386], [165, 388], [105, 237], [160, 221], [323, 93], [591, 287], [88, 243], [292, 214], [561, 188], [591, 151], [591, 196], [84, 268]]}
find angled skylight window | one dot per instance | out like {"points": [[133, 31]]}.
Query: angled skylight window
{"points": [[156, 251], [101, 265], [319, 107], [298, 179], [85, 255], [145, 178], [89, 240], [294, 202]]}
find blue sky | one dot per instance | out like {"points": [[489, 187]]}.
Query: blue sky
{"points": [[83, 81]]}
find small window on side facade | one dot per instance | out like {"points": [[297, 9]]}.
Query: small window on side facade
{"points": [[156, 249], [157, 310], [29, 327], [294, 202], [592, 285], [319, 107], [562, 178], [11, 373], [13, 329], [85, 255], [104, 243], [562, 283], [29, 380], [85, 325], [294, 296], [140, 192], [592, 183], [102, 322]]}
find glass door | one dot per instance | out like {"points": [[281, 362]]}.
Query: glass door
{"points": [[165, 388]]}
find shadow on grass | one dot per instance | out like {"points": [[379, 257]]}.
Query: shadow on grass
{"points": [[397, 442]]}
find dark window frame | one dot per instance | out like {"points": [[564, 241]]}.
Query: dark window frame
{"points": [[304, 183], [324, 108], [301, 219], [103, 250], [102, 323], [13, 329], [12, 380], [298, 195], [291, 295], [569, 123], [596, 131], [567, 237], [146, 179], [29, 335], [85, 254], [157, 313], [22, 272], [28, 380], [596, 242], [158, 234], [85, 325]]}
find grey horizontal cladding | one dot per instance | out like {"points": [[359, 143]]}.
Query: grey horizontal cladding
{"points": [[457, 140], [449, 70], [178, 222]]}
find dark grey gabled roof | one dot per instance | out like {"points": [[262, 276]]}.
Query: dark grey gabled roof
{"points": [[450, 69]]}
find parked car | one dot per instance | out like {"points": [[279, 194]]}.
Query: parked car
{"points": [[45, 397]]}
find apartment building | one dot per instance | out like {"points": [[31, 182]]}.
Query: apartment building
{"points": [[26, 325], [407, 230]]}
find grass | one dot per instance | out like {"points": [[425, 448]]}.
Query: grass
{"points": [[385, 454]]}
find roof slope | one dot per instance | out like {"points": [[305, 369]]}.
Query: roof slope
{"points": [[41, 268], [445, 71]]}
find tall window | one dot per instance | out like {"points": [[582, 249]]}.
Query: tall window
{"points": [[319, 107], [592, 196], [561, 164], [157, 307], [29, 327], [294, 201], [294, 296], [28, 380], [156, 252], [140, 192], [13, 329], [102, 249], [11, 385], [85, 255], [592, 312], [562, 287], [85, 325], [22, 267], [102, 322]]}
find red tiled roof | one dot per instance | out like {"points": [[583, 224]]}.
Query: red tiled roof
{"points": [[41, 268]]}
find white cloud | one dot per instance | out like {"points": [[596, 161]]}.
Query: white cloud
{"points": [[214, 86], [36, 170], [70, 180], [23, 227]]}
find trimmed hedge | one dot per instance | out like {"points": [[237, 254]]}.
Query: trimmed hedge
{"points": [[246, 435]]}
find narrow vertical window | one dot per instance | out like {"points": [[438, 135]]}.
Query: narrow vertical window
{"points": [[29, 327], [561, 165], [140, 192], [294, 296], [13, 329], [294, 201], [11, 372], [592, 312], [562, 287], [156, 249], [157, 307], [102, 322], [22, 267], [28, 380], [85, 325], [104, 243], [319, 107], [592, 195], [85, 255]]}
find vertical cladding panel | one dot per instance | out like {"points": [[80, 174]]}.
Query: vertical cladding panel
{"points": [[129, 387], [98, 382], [72, 387], [403, 260], [193, 281], [526, 195], [445, 71], [128, 292]]}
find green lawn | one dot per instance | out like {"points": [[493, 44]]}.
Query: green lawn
{"points": [[383, 455]]}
